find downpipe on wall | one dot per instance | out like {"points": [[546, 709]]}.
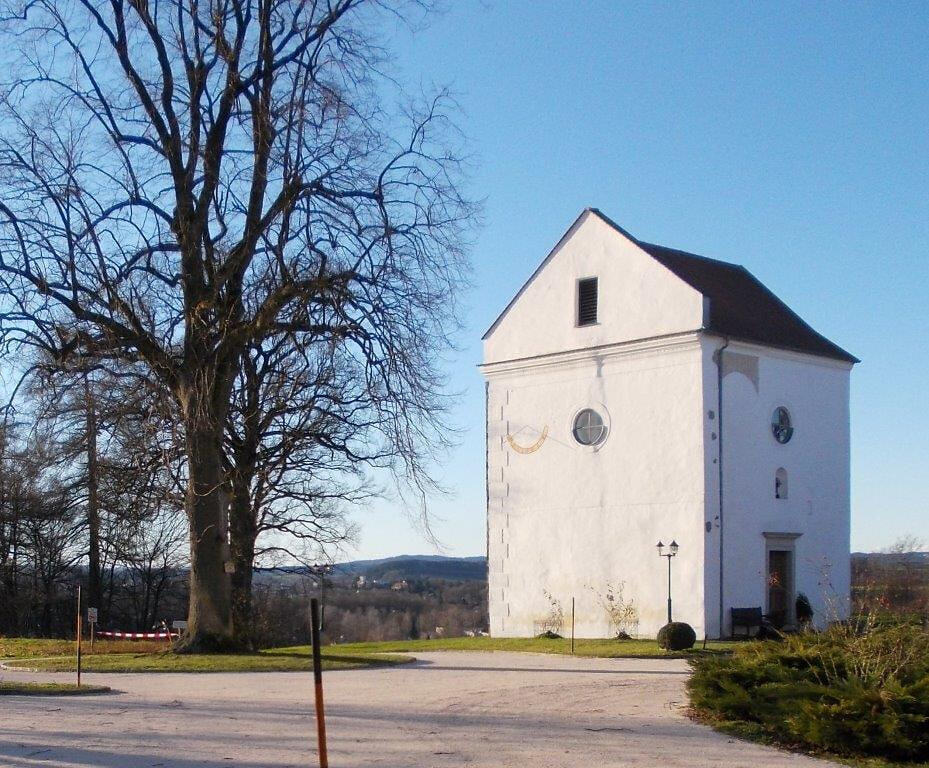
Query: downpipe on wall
{"points": [[719, 421]]}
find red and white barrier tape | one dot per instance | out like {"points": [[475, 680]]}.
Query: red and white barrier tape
{"points": [[138, 635]]}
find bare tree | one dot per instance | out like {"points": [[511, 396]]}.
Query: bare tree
{"points": [[103, 432], [153, 559], [141, 495], [16, 504], [11, 514], [290, 469], [66, 403], [38, 538], [180, 181]]}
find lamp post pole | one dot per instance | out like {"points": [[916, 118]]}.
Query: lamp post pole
{"points": [[669, 589], [672, 551]]}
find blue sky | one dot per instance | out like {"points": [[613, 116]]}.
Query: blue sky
{"points": [[792, 138]]}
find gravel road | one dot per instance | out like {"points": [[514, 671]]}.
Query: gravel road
{"points": [[446, 709]]}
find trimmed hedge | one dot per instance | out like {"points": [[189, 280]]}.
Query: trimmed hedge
{"points": [[853, 694], [676, 636]]}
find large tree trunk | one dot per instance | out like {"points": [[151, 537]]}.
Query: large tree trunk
{"points": [[209, 621], [243, 511], [243, 532]]}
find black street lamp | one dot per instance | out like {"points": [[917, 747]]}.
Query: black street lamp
{"points": [[672, 551]]}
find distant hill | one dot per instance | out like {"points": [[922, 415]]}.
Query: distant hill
{"points": [[394, 569], [418, 567], [914, 558]]}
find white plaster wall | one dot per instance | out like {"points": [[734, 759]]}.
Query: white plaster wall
{"points": [[570, 519], [816, 392], [638, 298]]}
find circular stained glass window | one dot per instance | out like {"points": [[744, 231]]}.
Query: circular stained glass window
{"points": [[781, 425], [589, 428]]}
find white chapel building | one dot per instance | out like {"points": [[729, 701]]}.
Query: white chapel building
{"points": [[637, 394]]}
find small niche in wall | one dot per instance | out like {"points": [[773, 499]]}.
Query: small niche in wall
{"points": [[780, 483]]}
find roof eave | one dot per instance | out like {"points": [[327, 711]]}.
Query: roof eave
{"points": [[840, 356]]}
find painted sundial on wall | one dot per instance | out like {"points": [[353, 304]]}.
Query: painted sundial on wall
{"points": [[527, 439]]}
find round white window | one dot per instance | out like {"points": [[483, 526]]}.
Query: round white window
{"points": [[782, 425], [589, 428]]}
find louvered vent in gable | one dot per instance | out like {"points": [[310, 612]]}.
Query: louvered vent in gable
{"points": [[587, 301]]}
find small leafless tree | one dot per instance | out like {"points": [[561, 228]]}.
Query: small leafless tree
{"points": [[181, 181], [102, 430], [291, 467], [153, 559], [39, 525], [894, 580], [15, 500], [66, 403]]}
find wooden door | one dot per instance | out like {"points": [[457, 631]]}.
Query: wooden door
{"points": [[780, 586]]}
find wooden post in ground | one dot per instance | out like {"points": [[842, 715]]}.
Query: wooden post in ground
{"points": [[572, 626], [318, 684], [79, 635]]}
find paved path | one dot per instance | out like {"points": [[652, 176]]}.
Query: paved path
{"points": [[447, 709]]}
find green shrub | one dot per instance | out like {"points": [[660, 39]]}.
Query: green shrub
{"points": [[804, 609], [851, 693], [676, 636]]}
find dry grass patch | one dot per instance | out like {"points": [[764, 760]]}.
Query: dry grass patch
{"points": [[10, 688], [32, 647]]}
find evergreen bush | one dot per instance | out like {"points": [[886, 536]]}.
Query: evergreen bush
{"points": [[676, 636], [843, 691]]}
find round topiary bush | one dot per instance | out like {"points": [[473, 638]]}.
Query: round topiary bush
{"points": [[676, 636], [804, 609]]}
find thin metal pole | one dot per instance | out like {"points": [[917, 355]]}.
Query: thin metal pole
{"points": [[572, 626], [669, 588], [79, 635], [318, 683]]}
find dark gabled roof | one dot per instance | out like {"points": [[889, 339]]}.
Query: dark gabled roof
{"points": [[741, 307]]}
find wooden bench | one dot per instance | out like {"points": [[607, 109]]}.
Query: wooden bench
{"points": [[746, 618]]}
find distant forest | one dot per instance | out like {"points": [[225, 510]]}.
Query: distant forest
{"points": [[892, 582], [395, 598], [390, 599]]}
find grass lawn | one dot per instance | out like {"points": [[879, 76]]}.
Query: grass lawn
{"points": [[153, 656], [612, 649], [30, 647], [275, 660], [8, 688], [116, 656]]}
